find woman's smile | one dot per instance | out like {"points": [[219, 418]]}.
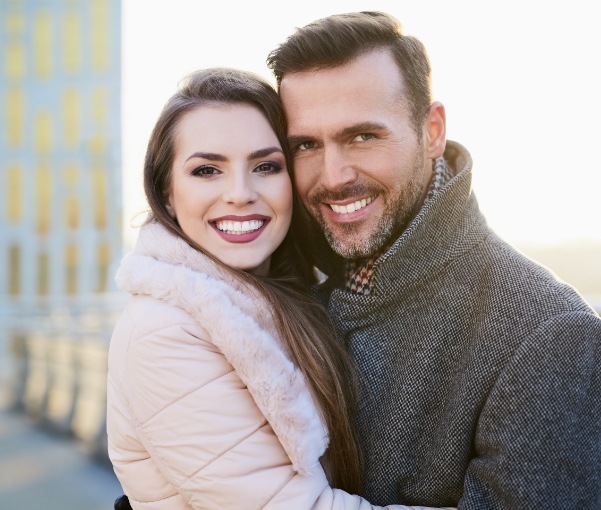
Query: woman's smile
{"points": [[230, 190], [240, 229]]}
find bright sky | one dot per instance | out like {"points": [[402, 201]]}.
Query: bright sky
{"points": [[520, 82]]}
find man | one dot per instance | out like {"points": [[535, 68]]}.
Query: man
{"points": [[480, 372]]}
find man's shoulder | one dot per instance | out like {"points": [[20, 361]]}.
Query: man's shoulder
{"points": [[491, 277], [526, 278]]}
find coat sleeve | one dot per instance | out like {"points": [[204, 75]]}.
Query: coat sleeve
{"points": [[296, 496], [199, 423], [538, 442], [207, 437]]}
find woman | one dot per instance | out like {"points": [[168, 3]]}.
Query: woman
{"points": [[225, 380]]}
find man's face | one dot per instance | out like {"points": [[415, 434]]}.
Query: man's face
{"points": [[360, 167]]}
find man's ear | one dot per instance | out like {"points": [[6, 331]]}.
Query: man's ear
{"points": [[436, 131]]}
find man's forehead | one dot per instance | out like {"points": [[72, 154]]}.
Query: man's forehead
{"points": [[335, 109], [372, 78], [379, 61]]}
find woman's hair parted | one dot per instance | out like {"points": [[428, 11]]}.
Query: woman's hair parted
{"points": [[304, 327]]}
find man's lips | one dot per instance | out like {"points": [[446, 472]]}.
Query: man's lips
{"points": [[351, 207]]}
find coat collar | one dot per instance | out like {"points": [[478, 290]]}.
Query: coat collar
{"points": [[238, 321], [449, 224]]}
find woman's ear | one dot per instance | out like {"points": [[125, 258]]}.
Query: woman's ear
{"points": [[436, 130], [170, 210]]}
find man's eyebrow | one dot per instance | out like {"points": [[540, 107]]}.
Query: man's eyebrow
{"points": [[298, 139], [208, 155], [361, 127]]}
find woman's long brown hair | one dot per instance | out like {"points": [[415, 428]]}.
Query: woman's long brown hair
{"points": [[304, 327]]}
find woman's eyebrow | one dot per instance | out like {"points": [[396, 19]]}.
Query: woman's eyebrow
{"points": [[261, 153], [208, 155], [212, 156]]}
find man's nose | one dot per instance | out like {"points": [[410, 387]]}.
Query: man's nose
{"points": [[239, 189], [337, 170]]}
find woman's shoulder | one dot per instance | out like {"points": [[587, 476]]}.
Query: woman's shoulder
{"points": [[156, 341], [150, 314], [146, 319]]}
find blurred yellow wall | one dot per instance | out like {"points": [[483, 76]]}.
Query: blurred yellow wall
{"points": [[60, 148]]}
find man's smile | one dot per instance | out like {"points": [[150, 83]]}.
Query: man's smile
{"points": [[352, 206]]}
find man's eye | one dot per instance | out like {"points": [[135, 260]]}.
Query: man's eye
{"points": [[305, 146], [363, 137], [268, 167], [205, 171]]}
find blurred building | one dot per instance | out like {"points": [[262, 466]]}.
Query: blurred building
{"points": [[60, 189], [60, 141]]}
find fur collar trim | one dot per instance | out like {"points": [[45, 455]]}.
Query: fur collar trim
{"points": [[239, 323]]}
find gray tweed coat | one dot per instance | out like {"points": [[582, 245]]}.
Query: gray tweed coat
{"points": [[481, 372]]}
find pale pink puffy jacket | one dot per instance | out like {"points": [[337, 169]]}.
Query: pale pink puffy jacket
{"points": [[205, 411]]}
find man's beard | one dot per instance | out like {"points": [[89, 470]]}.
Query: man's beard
{"points": [[348, 239]]}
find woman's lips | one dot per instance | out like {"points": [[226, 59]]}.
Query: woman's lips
{"points": [[240, 229]]}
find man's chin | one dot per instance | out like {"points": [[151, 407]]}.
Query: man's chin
{"points": [[348, 247], [355, 243]]}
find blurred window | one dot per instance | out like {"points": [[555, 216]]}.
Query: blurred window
{"points": [[42, 47], [13, 194], [43, 200], [71, 34], [100, 42]]}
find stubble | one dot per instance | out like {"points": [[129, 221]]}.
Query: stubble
{"points": [[356, 240]]}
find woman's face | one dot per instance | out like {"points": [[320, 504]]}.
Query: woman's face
{"points": [[230, 188]]}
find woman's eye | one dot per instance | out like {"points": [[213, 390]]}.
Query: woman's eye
{"points": [[268, 167], [205, 171]]}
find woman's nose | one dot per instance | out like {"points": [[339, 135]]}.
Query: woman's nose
{"points": [[239, 189]]}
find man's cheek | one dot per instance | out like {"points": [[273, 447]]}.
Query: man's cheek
{"points": [[303, 184]]}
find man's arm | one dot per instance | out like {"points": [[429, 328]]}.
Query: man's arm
{"points": [[538, 441]]}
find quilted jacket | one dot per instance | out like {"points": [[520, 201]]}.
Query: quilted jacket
{"points": [[205, 411]]}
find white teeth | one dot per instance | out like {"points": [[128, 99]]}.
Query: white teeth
{"points": [[352, 207], [239, 227]]}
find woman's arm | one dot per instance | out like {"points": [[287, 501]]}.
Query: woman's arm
{"points": [[208, 445]]}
